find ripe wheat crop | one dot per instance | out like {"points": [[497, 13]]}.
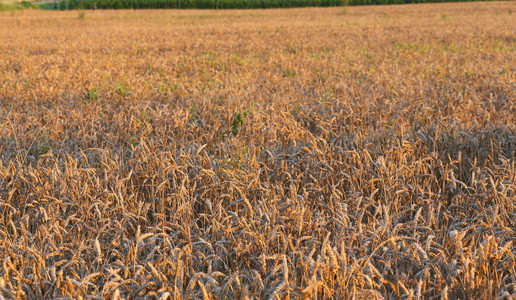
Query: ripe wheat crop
{"points": [[302, 153]]}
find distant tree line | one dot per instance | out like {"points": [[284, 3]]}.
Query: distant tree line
{"points": [[225, 4], [15, 5]]}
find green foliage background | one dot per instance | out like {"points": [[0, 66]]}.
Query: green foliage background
{"points": [[225, 4]]}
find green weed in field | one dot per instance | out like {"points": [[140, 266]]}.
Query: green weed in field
{"points": [[193, 112], [239, 120], [121, 89], [289, 73], [92, 95]]}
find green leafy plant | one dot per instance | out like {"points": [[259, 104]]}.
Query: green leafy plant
{"points": [[163, 88], [121, 89], [133, 142], [238, 120], [289, 73], [193, 112], [92, 95]]}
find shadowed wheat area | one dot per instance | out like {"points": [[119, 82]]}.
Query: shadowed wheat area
{"points": [[359, 152]]}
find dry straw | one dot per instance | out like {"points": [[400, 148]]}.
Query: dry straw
{"points": [[299, 153]]}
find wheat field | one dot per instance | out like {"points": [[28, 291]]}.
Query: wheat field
{"points": [[357, 152]]}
